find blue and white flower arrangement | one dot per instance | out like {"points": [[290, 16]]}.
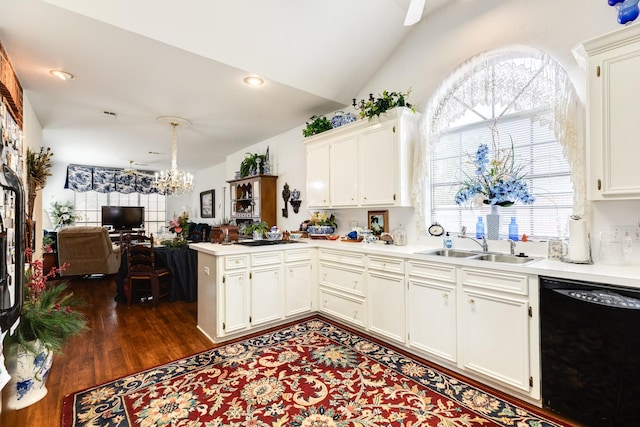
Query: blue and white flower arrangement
{"points": [[497, 181]]}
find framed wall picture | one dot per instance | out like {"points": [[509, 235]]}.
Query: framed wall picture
{"points": [[207, 203], [378, 222]]}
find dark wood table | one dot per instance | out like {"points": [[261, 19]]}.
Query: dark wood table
{"points": [[183, 265]]}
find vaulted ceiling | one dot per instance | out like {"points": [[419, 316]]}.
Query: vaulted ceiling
{"points": [[137, 60]]}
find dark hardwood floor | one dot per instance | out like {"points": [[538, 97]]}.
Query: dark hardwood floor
{"points": [[121, 341]]}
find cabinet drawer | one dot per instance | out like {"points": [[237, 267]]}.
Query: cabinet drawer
{"points": [[432, 270], [345, 307], [236, 261], [391, 265], [351, 258], [264, 258], [342, 277], [297, 255], [496, 280]]}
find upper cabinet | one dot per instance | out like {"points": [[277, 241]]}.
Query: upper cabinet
{"points": [[363, 164], [613, 129]]}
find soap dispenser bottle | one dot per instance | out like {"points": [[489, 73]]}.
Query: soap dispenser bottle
{"points": [[479, 228], [513, 229], [448, 241]]}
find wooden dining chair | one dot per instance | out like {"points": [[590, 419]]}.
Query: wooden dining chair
{"points": [[141, 267]]}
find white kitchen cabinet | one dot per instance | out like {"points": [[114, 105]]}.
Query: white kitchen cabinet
{"points": [[233, 302], [385, 171], [267, 285], [370, 162], [341, 279], [299, 282], [343, 171], [613, 67], [432, 313], [495, 333], [318, 174], [386, 297]]}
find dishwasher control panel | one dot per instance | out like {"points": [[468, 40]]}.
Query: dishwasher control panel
{"points": [[610, 299]]}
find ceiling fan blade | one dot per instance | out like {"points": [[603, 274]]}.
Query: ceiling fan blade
{"points": [[414, 14]]}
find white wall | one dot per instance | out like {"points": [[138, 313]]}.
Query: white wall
{"points": [[434, 48]]}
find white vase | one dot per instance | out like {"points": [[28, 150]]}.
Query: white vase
{"points": [[493, 224], [29, 374]]}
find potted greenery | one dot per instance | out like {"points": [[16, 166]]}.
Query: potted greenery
{"points": [[317, 125], [386, 101], [257, 230], [252, 164], [47, 320]]}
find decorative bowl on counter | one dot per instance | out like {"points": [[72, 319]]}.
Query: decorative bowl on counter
{"points": [[274, 235], [295, 236], [320, 229]]}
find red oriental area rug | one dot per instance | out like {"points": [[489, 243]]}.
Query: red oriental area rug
{"points": [[312, 374]]}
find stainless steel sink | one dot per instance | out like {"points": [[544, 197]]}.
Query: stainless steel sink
{"points": [[511, 259], [455, 253]]}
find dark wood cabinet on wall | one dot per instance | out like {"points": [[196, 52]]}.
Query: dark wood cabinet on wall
{"points": [[254, 199]]}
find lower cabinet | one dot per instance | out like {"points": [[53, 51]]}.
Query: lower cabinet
{"points": [[480, 322], [386, 298], [342, 285], [432, 309], [299, 283], [348, 308], [233, 306], [495, 328]]}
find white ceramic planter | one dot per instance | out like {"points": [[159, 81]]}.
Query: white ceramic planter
{"points": [[29, 374]]}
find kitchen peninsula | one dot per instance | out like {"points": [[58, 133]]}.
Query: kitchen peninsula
{"points": [[447, 310]]}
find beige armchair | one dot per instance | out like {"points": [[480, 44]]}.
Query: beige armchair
{"points": [[87, 250]]}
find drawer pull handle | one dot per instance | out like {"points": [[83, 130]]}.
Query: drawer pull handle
{"points": [[471, 301], [445, 296]]}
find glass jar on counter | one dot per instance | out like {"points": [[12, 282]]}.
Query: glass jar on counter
{"points": [[400, 236]]}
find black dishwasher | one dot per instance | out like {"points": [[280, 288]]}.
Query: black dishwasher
{"points": [[590, 343]]}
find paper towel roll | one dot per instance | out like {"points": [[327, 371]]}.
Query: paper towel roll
{"points": [[578, 250]]}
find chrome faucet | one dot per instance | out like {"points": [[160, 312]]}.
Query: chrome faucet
{"points": [[483, 243], [512, 247]]}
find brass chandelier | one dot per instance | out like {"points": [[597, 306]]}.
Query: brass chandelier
{"points": [[174, 182]]}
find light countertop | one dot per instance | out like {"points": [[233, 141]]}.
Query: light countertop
{"points": [[623, 275]]}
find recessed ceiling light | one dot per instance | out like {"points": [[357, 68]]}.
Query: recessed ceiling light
{"points": [[62, 75], [254, 81]]}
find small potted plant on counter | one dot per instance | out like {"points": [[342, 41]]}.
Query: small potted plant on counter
{"points": [[257, 230]]}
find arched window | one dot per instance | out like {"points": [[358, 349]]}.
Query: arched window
{"points": [[518, 101]]}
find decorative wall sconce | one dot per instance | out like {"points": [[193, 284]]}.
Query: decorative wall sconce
{"points": [[295, 200]]}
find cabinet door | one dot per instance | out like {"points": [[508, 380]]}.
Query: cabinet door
{"points": [[266, 294], [432, 317], [613, 125], [233, 299], [318, 175], [386, 305], [298, 286], [378, 162], [344, 171], [495, 336]]}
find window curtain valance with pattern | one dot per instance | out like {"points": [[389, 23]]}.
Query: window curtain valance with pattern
{"points": [[521, 78], [105, 180]]}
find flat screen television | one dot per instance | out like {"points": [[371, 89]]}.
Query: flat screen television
{"points": [[123, 217]]}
